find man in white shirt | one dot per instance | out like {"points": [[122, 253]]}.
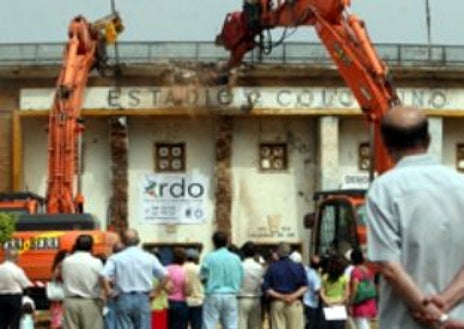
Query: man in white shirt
{"points": [[13, 281], [249, 297], [81, 283]]}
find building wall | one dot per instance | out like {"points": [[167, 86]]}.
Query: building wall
{"points": [[198, 135], [445, 133], [8, 103], [97, 168], [268, 207], [35, 155], [453, 134], [5, 150], [353, 131]]}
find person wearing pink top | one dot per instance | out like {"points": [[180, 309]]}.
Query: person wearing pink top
{"points": [[177, 291]]}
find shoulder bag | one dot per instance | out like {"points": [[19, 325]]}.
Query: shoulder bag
{"points": [[55, 291], [366, 290]]}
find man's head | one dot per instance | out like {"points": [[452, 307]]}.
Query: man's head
{"points": [[11, 255], [283, 250], [315, 262], [357, 257], [84, 242], [249, 249], [405, 131], [219, 239], [117, 247], [131, 238], [192, 255], [179, 256]]}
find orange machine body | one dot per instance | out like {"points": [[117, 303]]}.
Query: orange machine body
{"points": [[65, 123], [38, 248]]}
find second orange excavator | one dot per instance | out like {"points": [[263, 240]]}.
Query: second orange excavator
{"points": [[339, 213]]}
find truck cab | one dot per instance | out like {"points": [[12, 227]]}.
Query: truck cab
{"points": [[339, 222]]}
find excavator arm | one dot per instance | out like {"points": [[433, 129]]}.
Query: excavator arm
{"points": [[84, 51], [345, 38]]}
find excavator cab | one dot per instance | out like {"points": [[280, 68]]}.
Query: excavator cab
{"points": [[339, 223]]}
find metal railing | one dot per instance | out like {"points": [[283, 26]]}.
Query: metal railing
{"points": [[287, 53]]}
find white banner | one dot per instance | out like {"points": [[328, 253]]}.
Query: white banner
{"points": [[173, 198]]}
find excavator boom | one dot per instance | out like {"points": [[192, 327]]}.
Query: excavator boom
{"points": [[84, 51], [345, 38]]}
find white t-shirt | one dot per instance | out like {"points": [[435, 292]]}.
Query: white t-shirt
{"points": [[253, 273], [81, 275], [12, 279]]}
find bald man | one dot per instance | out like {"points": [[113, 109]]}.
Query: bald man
{"points": [[129, 275], [415, 223], [13, 281]]}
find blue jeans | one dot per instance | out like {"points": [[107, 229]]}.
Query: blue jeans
{"points": [[195, 316], [220, 307], [133, 311], [109, 319]]}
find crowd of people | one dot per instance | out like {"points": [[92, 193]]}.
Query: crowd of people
{"points": [[233, 287]]}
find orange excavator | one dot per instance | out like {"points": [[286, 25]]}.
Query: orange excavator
{"points": [[46, 225], [339, 221], [85, 50]]}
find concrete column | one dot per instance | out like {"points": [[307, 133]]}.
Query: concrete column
{"points": [[436, 131], [329, 154]]}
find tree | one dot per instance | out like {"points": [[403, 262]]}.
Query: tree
{"points": [[7, 227]]}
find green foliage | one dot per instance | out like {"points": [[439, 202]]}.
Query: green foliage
{"points": [[7, 226]]}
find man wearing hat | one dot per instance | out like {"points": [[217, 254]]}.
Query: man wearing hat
{"points": [[195, 298]]}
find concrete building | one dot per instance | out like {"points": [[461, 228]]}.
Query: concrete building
{"points": [[246, 157]]}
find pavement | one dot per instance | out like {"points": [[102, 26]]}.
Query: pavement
{"points": [[43, 322]]}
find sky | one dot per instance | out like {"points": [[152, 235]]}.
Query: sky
{"points": [[388, 21]]}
